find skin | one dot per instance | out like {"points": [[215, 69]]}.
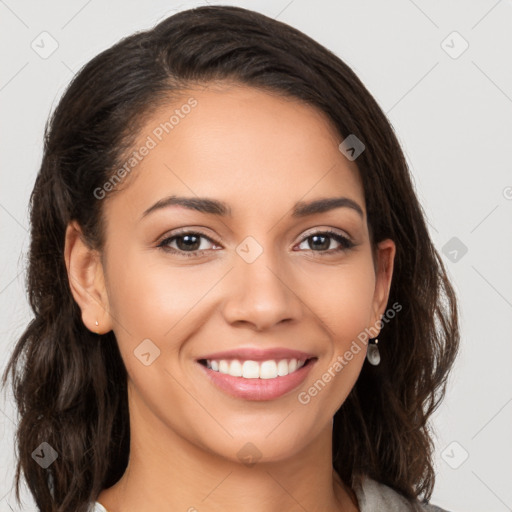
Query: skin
{"points": [[260, 153]]}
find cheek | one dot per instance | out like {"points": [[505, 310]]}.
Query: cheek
{"points": [[161, 303], [342, 297], [149, 299], [344, 305], [159, 300]]}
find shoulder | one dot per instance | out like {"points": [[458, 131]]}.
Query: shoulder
{"points": [[97, 507], [373, 495]]}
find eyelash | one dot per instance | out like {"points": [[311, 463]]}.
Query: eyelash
{"points": [[346, 244]]}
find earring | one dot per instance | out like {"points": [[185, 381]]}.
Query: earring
{"points": [[97, 326], [373, 354]]}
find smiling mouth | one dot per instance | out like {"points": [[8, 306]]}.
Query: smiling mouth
{"points": [[249, 369]]}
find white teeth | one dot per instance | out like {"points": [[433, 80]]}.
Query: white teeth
{"points": [[250, 370], [255, 370], [282, 368], [268, 370], [235, 368], [223, 366]]}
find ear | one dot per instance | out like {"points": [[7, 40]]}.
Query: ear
{"points": [[86, 280], [385, 257]]}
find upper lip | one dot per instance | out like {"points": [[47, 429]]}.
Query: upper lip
{"points": [[258, 354]]}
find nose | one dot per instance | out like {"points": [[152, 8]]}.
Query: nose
{"points": [[262, 294]]}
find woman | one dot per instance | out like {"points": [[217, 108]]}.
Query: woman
{"points": [[192, 348]]}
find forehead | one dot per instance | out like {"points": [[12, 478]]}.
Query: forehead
{"points": [[250, 148]]}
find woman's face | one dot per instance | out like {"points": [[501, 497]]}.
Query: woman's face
{"points": [[245, 288]]}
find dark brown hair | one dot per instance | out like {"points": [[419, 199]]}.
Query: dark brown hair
{"points": [[70, 384]]}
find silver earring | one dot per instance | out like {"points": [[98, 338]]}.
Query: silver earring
{"points": [[373, 354], [97, 326]]}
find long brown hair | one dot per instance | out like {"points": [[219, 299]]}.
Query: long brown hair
{"points": [[70, 384]]}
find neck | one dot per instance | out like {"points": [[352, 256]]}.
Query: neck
{"points": [[167, 472]]}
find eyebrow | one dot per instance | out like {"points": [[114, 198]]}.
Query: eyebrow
{"points": [[215, 207]]}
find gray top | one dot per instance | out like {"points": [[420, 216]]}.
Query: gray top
{"points": [[372, 496]]}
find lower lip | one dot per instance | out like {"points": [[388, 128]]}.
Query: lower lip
{"points": [[258, 389]]}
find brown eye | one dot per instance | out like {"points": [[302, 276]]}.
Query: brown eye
{"points": [[187, 243], [321, 242]]}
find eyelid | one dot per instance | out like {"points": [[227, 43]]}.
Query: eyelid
{"points": [[186, 231], [326, 229], [197, 231]]}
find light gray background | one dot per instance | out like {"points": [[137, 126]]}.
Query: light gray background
{"points": [[453, 116]]}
